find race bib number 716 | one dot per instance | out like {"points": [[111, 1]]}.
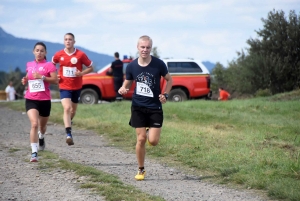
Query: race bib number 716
{"points": [[143, 89]]}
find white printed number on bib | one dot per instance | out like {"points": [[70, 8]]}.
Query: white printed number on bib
{"points": [[69, 71], [143, 89], [36, 85]]}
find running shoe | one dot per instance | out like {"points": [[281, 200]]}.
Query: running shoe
{"points": [[147, 134], [140, 175], [69, 140], [34, 157]]}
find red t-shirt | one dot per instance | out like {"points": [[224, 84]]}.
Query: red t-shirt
{"points": [[224, 95], [68, 65]]}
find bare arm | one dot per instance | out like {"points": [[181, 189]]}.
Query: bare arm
{"points": [[85, 71], [169, 80], [52, 79], [24, 79], [125, 87]]}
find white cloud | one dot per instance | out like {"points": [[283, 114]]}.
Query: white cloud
{"points": [[48, 15]]}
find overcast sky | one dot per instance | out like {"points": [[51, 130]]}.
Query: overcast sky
{"points": [[205, 30]]}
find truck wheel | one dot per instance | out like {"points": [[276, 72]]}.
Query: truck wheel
{"points": [[209, 95], [177, 95], [89, 96]]}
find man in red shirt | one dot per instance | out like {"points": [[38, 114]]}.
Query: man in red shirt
{"points": [[224, 95], [70, 74]]}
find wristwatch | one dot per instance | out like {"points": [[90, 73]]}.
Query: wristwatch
{"points": [[43, 77], [166, 96]]}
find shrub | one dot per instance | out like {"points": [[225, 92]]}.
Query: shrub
{"points": [[263, 93]]}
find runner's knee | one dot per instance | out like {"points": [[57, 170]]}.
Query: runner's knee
{"points": [[154, 142], [34, 125], [68, 109], [141, 138]]}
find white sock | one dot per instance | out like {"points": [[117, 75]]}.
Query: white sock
{"points": [[41, 136], [34, 147]]}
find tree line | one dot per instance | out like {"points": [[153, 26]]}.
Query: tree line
{"points": [[270, 65]]}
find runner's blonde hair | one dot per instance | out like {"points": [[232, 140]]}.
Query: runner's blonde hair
{"points": [[145, 37]]}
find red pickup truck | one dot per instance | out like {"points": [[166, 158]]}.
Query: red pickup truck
{"points": [[191, 80]]}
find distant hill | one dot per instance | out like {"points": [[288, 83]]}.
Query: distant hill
{"points": [[208, 65], [16, 52]]}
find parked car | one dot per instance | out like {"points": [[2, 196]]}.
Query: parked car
{"points": [[191, 80]]}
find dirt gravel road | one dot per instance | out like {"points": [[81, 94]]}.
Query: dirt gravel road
{"points": [[22, 180]]}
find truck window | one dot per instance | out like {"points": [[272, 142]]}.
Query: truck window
{"points": [[184, 67]]}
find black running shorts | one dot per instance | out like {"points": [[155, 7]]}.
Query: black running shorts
{"points": [[43, 106], [146, 117]]}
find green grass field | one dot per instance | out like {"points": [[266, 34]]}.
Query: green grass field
{"points": [[252, 143]]}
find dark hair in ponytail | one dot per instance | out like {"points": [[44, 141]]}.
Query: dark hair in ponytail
{"points": [[42, 44]]}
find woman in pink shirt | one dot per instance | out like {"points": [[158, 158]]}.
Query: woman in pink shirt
{"points": [[40, 74]]}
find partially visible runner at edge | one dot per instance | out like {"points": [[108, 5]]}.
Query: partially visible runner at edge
{"points": [[70, 74], [39, 75], [146, 108]]}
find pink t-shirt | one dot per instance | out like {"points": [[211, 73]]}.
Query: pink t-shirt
{"points": [[43, 68]]}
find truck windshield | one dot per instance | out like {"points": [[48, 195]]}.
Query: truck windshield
{"points": [[101, 69]]}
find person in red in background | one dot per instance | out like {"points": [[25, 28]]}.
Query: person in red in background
{"points": [[70, 74], [224, 95]]}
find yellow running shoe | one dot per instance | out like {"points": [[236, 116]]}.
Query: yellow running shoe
{"points": [[140, 175]]}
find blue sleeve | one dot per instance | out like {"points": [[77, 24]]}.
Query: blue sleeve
{"points": [[129, 72], [164, 69]]}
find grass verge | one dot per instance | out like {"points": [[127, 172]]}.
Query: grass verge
{"points": [[252, 144]]}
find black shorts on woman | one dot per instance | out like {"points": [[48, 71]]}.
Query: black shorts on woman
{"points": [[43, 106]]}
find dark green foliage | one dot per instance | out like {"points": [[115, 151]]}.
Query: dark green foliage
{"points": [[279, 47], [263, 93], [273, 60], [217, 78]]}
